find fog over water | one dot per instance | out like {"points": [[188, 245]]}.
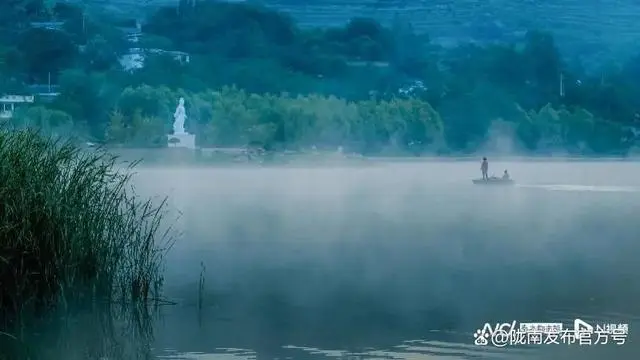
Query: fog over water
{"points": [[395, 260]]}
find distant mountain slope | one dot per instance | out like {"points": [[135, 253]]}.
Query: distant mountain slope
{"points": [[577, 24], [573, 21]]}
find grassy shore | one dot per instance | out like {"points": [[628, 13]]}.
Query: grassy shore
{"points": [[72, 231]]}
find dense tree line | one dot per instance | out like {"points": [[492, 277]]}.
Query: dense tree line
{"points": [[254, 76]]}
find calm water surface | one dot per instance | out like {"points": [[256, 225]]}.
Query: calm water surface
{"points": [[395, 261]]}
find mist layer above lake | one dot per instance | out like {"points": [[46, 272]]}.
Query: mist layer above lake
{"points": [[371, 257]]}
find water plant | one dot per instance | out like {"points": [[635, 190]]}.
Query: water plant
{"points": [[72, 229]]}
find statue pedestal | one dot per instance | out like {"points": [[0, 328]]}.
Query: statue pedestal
{"points": [[182, 141]]}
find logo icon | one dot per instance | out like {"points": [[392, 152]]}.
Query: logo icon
{"points": [[481, 337], [581, 326]]}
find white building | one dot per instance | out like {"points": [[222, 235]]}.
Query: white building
{"points": [[136, 56], [44, 92], [132, 34], [10, 101], [48, 25]]}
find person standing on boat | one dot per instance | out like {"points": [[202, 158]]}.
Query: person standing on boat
{"points": [[485, 169]]}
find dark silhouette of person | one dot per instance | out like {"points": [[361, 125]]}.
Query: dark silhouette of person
{"points": [[485, 169]]}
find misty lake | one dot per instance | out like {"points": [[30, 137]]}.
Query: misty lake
{"points": [[395, 260]]}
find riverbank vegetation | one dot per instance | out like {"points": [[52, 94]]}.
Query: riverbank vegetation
{"points": [[250, 75], [72, 232]]}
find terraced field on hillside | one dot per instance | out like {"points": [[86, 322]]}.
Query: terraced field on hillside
{"points": [[573, 21]]}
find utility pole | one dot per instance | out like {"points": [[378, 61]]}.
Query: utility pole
{"points": [[84, 11]]}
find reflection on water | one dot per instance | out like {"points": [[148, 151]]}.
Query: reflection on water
{"points": [[412, 349], [401, 261], [435, 345], [106, 331]]}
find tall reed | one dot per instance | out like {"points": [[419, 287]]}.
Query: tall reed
{"points": [[72, 230]]}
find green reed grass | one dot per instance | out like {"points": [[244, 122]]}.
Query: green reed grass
{"points": [[72, 230]]}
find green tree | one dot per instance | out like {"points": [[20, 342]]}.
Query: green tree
{"points": [[543, 66], [48, 121], [150, 101], [87, 97], [147, 131], [99, 54], [46, 52], [116, 131]]}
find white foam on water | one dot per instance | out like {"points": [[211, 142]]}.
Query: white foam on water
{"points": [[591, 188]]}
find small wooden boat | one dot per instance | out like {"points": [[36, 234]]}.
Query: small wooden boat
{"points": [[494, 181]]}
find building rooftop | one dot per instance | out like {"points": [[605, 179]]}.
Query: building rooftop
{"points": [[49, 25], [44, 89], [16, 99]]}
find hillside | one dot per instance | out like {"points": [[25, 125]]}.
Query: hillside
{"points": [[578, 25], [584, 26]]}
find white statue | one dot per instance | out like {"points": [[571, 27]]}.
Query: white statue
{"points": [[180, 115]]}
